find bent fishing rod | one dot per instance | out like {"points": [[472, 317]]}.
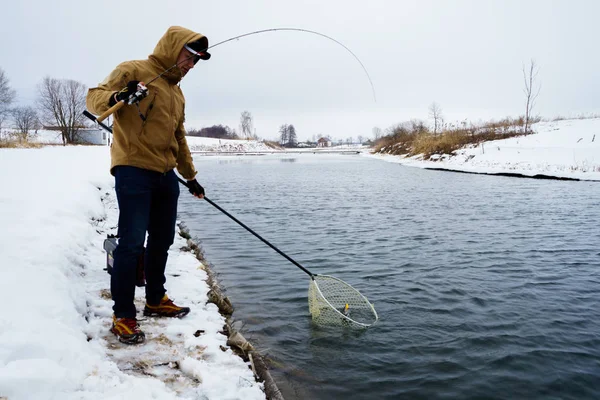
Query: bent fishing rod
{"points": [[212, 203], [121, 103]]}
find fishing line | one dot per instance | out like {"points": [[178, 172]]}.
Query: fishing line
{"points": [[307, 31], [120, 104]]}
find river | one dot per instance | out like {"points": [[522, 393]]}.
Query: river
{"points": [[486, 287]]}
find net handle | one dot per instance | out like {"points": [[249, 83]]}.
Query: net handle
{"points": [[265, 241]]}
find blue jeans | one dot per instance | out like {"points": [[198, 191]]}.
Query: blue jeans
{"points": [[147, 203]]}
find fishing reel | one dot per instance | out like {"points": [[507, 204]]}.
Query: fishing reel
{"points": [[139, 95]]}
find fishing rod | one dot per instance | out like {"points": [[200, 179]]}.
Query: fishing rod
{"points": [[143, 90], [306, 31]]}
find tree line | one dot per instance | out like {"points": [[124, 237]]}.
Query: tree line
{"points": [[60, 103]]}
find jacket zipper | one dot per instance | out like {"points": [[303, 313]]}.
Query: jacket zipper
{"points": [[148, 109], [171, 133]]}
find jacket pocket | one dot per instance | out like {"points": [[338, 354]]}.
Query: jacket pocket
{"points": [[146, 113], [149, 108]]}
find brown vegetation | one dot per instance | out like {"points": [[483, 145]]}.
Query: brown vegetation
{"points": [[215, 131], [414, 137], [14, 143], [579, 116], [272, 144]]}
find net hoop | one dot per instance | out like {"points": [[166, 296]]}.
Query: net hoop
{"points": [[332, 310]]}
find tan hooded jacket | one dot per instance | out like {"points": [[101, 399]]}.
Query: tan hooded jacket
{"points": [[158, 143]]}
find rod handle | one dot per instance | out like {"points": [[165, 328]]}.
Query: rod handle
{"points": [[110, 111]]}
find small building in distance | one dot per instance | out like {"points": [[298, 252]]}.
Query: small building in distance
{"points": [[323, 142]]}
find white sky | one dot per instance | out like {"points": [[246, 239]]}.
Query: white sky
{"points": [[465, 55]]}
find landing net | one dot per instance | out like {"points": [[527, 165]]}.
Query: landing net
{"points": [[332, 301]]}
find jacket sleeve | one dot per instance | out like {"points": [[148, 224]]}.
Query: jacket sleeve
{"points": [[185, 164], [98, 97]]}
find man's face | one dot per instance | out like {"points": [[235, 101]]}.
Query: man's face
{"points": [[185, 61]]}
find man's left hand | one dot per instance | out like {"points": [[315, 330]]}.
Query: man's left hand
{"points": [[196, 189]]}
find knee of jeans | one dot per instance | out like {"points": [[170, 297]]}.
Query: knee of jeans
{"points": [[129, 250], [161, 240], [131, 242]]}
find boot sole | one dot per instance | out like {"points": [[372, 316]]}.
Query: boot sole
{"points": [[136, 338], [180, 314]]}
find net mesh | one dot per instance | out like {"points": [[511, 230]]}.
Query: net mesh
{"points": [[332, 301]]}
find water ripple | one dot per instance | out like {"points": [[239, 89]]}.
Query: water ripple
{"points": [[486, 287]]}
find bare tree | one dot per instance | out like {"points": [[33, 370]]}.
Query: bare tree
{"points": [[531, 90], [292, 136], [62, 102], [435, 112], [246, 125], [7, 96], [284, 134], [26, 120], [360, 139], [376, 133]]}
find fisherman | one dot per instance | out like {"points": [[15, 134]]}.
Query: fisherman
{"points": [[149, 143]]}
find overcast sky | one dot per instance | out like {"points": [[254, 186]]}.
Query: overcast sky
{"points": [[465, 55]]}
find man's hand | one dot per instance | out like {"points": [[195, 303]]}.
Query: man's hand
{"points": [[196, 189], [133, 92]]}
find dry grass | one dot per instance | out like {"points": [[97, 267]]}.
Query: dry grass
{"points": [[580, 116], [415, 138], [446, 143], [272, 144], [19, 144]]}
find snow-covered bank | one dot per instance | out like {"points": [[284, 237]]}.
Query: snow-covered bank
{"points": [[202, 144], [56, 206], [564, 149]]}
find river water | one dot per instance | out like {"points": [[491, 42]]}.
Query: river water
{"points": [[486, 287]]}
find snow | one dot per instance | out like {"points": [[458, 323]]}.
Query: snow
{"points": [[42, 136], [201, 144], [565, 149], [56, 207]]}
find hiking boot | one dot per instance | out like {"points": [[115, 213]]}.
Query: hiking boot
{"points": [[166, 308], [127, 330]]}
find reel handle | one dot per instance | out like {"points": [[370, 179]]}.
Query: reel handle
{"points": [[110, 111], [142, 91]]}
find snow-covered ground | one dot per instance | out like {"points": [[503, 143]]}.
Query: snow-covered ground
{"points": [[566, 149], [56, 206], [201, 144]]}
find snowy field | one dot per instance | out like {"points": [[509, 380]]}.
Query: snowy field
{"points": [[56, 206], [224, 145], [566, 149]]}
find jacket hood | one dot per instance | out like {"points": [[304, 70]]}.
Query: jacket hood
{"points": [[168, 48]]}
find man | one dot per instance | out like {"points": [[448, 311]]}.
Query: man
{"points": [[149, 142]]}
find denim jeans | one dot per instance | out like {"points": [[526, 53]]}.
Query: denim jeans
{"points": [[147, 203]]}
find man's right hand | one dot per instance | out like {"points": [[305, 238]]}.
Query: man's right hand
{"points": [[125, 93]]}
